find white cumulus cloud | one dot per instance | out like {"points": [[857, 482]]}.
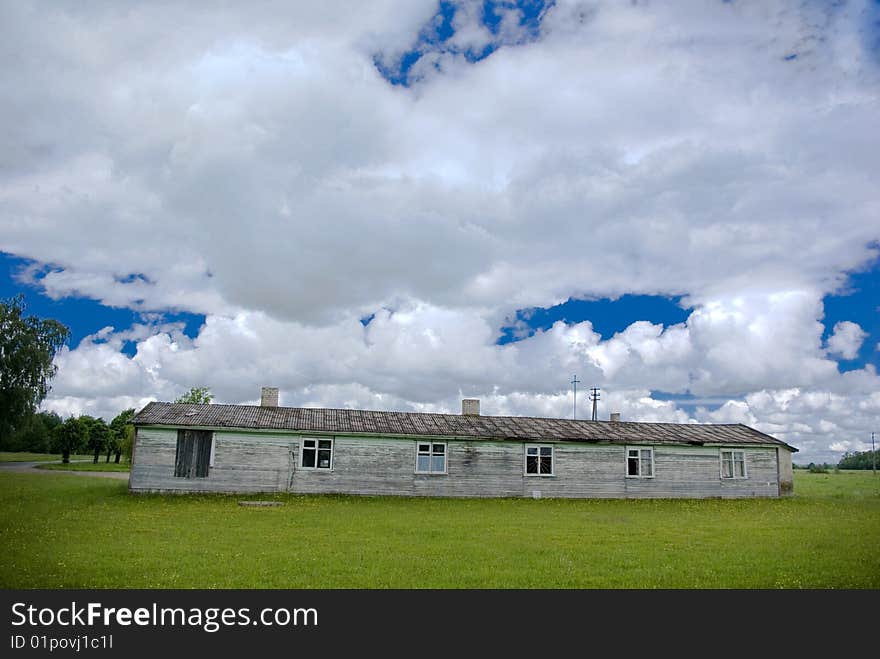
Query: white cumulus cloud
{"points": [[250, 163], [846, 339]]}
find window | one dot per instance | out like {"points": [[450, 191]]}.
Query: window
{"points": [[317, 454], [539, 460], [430, 458], [733, 464], [640, 462], [195, 453]]}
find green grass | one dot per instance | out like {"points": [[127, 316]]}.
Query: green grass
{"points": [[58, 530], [7, 456], [87, 466], [843, 484]]}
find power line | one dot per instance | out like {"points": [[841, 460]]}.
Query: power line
{"points": [[594, 396], [574, 383]]}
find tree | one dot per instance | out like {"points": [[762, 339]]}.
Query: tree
{"points": [[27, 348], [197, 396], [126, 446], [98, 435], [50, 420], [111, 445], [859, 460], [121, 433], [35, 434], [69, 437]]}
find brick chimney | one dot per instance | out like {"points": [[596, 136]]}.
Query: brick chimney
{"points": [[269, 397], [470, 406], [615, 417]]}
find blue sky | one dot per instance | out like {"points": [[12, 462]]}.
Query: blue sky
{"points": [[436, 36], [858, 302], [83, 316], [400, 205]]}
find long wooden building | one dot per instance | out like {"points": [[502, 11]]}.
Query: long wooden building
{"points": [[267, 448]]}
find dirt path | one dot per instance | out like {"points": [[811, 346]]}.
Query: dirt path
{"points": [[30, 468]]}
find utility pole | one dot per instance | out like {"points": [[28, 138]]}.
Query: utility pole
{"points": [[873, 456], [594, 396], [574, 383]]}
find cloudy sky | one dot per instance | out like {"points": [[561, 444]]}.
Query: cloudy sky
{"points": [[399, 203]]}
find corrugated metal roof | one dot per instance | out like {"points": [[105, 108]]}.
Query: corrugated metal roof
{"points": [[303, 419]]}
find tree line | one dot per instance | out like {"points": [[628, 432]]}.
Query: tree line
{"points": [[850, 460], [45, 432], [859, 460]]}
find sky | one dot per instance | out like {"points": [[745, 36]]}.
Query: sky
{"points": [[398, 204]]}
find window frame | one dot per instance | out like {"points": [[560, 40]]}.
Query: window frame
{"points": [[627, 458], [526, 448], [302, 453], [733, 476], [431, 455]]}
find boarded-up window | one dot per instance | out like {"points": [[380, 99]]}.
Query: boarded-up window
{"points": [[193, 457]]}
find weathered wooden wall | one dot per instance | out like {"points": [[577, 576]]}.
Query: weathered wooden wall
{"points": [[251, 462], [242, 463], [786, 473]]}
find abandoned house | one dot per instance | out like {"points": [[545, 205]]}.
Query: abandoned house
{"points": [[267, 448]]}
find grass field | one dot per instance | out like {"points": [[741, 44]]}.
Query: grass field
{"points": [[87, 466], [61, 530], [6, 456]]}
